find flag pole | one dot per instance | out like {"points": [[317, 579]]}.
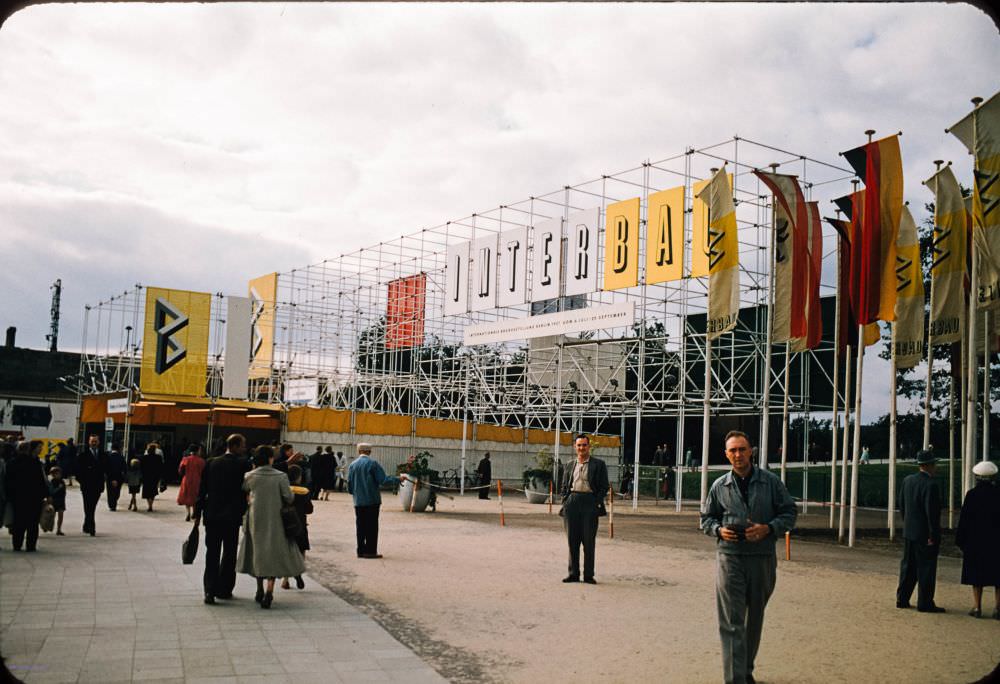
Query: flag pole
{"points": [[857, 435], [857, 418], [951, 453], [930, 349], [987, 334], [971, 377], [891, 523], [784, 417], [704, 418], [836, 388], [847, 442], [765, 426]]}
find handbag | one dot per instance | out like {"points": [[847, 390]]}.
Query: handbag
{"points": [[47, 520], [189, 549], [290, 521]]}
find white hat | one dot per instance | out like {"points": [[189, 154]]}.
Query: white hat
{"points": [[985, 469], [364, 447]]}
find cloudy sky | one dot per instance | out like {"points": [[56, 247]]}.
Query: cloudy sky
{"points": [[199, 145]]}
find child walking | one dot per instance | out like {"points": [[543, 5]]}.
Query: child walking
{"points": [[134, 476], [57, 493], [303, 506]]}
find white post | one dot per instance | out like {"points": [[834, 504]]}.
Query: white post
{"points": [[706, 408], [846, 445], [891, 523], [927, 392], [784, 418], [465, 430], [558, 425], [970, 399], [836, 391], [987, 345], [951, 453], [765, 426], [857, 435]]}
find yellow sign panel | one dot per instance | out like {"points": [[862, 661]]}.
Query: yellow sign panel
{"points": [[665, 236], [699, 229], [263, 294], [175, 342], [621, 245]]}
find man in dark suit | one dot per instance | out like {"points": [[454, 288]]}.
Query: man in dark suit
{"points": [[114, 476], [920, 504], [485, 472], [583, 489], [90, 466], [223, 503]]}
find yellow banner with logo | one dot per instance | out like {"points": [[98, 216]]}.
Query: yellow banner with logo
{"points": [[948, 259], [665, 236], [175, 342], [263, 293], [699, 229], [723, 255], [621, 245], [908, 328]]}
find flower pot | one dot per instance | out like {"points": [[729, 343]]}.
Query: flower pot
{"points": [[406, 494], [537, 491]]}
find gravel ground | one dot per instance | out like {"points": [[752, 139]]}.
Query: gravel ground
{"points": [[484, 603]]}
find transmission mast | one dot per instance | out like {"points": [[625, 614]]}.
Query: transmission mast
{"points": [[53, 336]]}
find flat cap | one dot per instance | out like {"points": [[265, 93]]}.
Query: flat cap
{"points": [[985, 469], [364, 448]]}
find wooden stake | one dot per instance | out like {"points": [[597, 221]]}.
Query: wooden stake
{"points": [[788, 546], [550, 497], [611, 513], [500, 496]]}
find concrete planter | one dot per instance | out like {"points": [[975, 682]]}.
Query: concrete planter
{"points": [[406, 494], [537, 491]]}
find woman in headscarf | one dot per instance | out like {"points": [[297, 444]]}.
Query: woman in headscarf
{"points": [[265, 550], [978, 536]]}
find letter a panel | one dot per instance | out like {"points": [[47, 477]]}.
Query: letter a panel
{"points": [[665, 236]]}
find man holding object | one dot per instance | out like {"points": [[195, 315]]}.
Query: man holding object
{"points": [[746, 510], [584, 487]]}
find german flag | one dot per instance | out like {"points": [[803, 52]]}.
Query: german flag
{"points": [[880, 165], [846, 289], [814, 312]]}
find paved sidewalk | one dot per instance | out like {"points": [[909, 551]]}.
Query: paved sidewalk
{"points": [[121, 607]]}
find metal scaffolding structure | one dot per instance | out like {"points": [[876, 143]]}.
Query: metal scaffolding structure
{"points": [[331, 323]]}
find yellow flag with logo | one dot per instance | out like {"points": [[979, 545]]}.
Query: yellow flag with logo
{"points": [[908, 328], [263, 293], [723, 255], [175, 342], [948, 259], [979, 131]]}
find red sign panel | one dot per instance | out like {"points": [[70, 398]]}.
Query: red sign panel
{"points": [[405, 312]]}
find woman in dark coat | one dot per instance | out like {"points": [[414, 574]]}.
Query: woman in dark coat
{"points": [[27, 490], [978, 536], [152, 472]]}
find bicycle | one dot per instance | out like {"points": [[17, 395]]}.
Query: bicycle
{"points": [[451, 479]]}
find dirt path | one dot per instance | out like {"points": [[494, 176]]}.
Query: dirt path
{"points": [[483, 603]]}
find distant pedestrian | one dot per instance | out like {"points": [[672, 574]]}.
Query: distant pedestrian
{"points": [[90, 465], [66, 460], [485, 472], [221, 504], [746, 510], [343, 463], [134, 477], [285, 452], [152, 473], [324, 467], [27, 490], [190, 470], [265, 551], [920, 504], [865, 456], [978, 536], [303, 507], [364, 477], [114, 476], [57, 496]]}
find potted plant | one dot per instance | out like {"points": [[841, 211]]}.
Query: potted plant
{"points": [[538, 477], [416, 467]]}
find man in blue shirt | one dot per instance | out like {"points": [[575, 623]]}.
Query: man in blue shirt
{"points": [[746, 509], [364, 478]]}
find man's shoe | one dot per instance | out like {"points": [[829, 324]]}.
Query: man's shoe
{"points": [[976, 613], [371, 555], [209, 600], [571, 578], [228, 595], [903, 604], [93, 533], [589, 580], [931, 609]]}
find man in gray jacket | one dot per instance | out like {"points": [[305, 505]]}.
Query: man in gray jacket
{"points": [[746, 510]]}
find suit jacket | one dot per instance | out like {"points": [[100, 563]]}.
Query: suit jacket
{"points": [[116, 467], [89, 469], [597, 477], [221, 500], [920, 504], [485, 470]]}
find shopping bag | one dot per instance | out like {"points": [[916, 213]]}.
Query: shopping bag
{"points": [[189, 549], [48, 518]]}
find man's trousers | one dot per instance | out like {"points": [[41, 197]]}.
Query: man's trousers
{"points": [[918, 568], [221, 544], [742, 588], [580, 521], [366, 525]]}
